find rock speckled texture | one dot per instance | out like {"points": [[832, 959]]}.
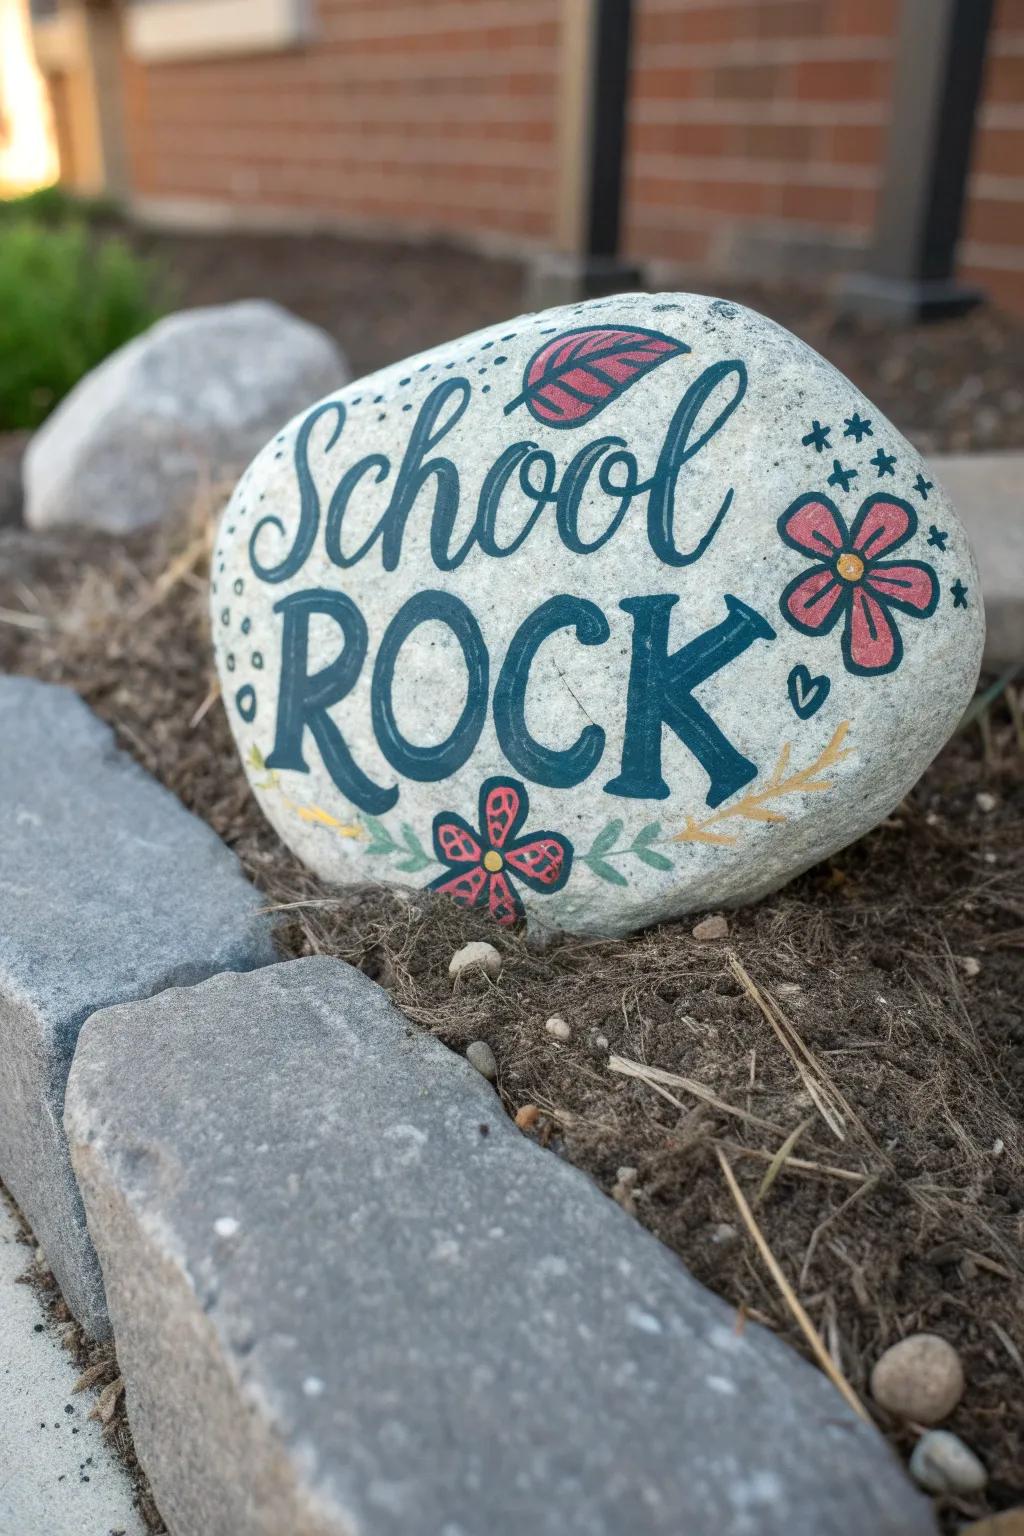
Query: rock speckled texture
{"points": [[601, 615], [185, 405], [109, 890], [351, 1300]]}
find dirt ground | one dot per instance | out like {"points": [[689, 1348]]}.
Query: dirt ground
{"points": [[867, 1022], [954, 386], [873, 1010]]}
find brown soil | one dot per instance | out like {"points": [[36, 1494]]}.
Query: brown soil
{"points": [[949, 387], [897, 963]]}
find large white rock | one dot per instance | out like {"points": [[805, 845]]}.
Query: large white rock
{"points": [[185, 405], [601, 615]]}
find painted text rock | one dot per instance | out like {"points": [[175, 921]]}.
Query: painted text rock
{"points": [[178, 410], [350, 1299], [109, 890], [601, 615]]}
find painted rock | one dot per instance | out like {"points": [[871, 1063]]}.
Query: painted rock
{"points": [[598, 616]]}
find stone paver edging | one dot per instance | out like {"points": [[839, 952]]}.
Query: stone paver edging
{"points": [[350, 1299], [109, 890]]}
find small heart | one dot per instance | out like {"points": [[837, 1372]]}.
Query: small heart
{"points": [[806, 693]]}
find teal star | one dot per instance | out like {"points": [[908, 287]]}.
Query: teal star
{"points": [[884, 462], [857, 426], [922, 486], [817, 437], [937, 538], [841, 476], [959, 592]]}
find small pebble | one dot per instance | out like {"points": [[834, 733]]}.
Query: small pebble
{"points": [[941, 1463], [624, 1189], [722, 1232], [559, 1028], [527, 1117], [711, 928], [985, 802], [480, 1055], [920, 1379], [970, 966], [475, 957]]}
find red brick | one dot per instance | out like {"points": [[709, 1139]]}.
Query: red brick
{"points": [[841, 80], [817, 204], [999, 151], [790, 18], [996, 221], [1005, 286], [779, 141], [745, 82], [866, 18]]}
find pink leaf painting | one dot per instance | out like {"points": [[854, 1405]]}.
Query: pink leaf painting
{"points": [[576, 374]]}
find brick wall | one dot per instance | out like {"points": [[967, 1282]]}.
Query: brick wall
{"points": [[757, 129], [993, 247], [758, 135], [426, 114], [756, 140]]}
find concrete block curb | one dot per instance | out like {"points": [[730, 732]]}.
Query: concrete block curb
{"points": [[109, 890], [350, 1299]]}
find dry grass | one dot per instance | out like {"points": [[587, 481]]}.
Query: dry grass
{"points": [[861, 1084]]}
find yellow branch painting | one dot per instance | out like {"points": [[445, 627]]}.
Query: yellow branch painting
{"points": [[309, 813], [756, 804]]}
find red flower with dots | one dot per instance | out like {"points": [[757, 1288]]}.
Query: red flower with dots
{"points": [[482, 866]]}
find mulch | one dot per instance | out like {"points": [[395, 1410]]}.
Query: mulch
{"points": [[952, 387], [896, 964]]}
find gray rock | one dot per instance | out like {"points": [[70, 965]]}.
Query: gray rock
{"points": [[415, 1326], [109, 890], [615, 612], [942, 1463], [184, 406]]}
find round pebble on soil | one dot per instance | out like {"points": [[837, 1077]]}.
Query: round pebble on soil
{"points": [[480, 1055], [941, 1463], [920, 1378], [558, 1028], [711, 928], [475, 957]]}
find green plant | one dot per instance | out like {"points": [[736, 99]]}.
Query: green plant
{"points": [[56, 205], [67, 300]]}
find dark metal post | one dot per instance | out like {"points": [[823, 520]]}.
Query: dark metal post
{"points": [[910, 270], [609, 90]]}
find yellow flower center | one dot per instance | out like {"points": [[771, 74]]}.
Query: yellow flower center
{"points": [[850, 567], [493, 861]]}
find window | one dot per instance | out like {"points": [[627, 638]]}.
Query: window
{"points": [[189, 29]]}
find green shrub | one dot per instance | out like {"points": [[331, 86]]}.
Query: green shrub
{"points": [[56, 205], [67, 300]]}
